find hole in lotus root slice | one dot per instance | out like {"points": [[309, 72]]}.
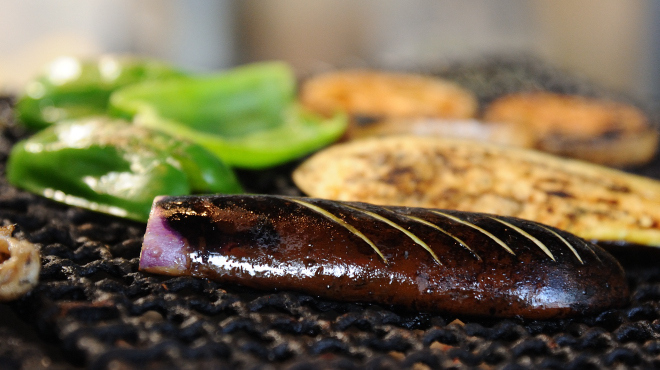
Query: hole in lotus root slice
{"points": [[19, 272]]}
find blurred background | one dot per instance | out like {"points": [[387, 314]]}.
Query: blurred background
{"points": [[615, 43]]}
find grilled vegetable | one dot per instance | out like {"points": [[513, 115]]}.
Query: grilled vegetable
{"points": [[371, 98], [20, 264], [422, 259], [503, 133], [595, 130], [73, 88], [378, 94], [114, 167], [593, 202], [246, 116]]}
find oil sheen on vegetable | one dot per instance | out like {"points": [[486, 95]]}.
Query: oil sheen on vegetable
{"points": [[419, 259]]}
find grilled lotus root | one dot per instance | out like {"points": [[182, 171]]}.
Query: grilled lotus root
{"points": [[423, 259], [375, 95], [19, 266], [605, 132], [591, 201]]}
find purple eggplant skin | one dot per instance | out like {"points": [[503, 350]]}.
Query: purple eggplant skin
{"points": [[478, 264]]}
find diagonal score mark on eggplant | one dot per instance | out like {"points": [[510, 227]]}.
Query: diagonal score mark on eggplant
{"points": [[328, 260], [588, 246], [565, 242], [412, 236], [339, 221], [485, 232], [527, 235], [457, 239]]}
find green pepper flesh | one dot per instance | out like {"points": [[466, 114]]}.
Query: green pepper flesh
{"points": [[114, 167], [73, 88], [246, 116]]}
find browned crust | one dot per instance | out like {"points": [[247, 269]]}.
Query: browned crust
{"points": [[600, 131], [380, 95], [590, 201]]}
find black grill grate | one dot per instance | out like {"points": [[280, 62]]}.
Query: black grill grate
{"points": [[93, 309]]}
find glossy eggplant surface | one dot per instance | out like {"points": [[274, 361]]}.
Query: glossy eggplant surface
{"points": [[420, 259]]}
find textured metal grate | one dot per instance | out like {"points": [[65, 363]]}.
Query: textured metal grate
{"points": [[93, 309], [492, 77]]}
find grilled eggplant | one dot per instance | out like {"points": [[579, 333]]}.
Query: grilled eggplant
{"points": [[590, 201], [421, 259]]}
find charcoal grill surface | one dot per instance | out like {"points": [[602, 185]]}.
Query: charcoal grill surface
{"points": [[94, 309]]}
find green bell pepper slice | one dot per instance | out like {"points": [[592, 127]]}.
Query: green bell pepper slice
{"points": [[247, 116], [73, 88], [114, 167]]}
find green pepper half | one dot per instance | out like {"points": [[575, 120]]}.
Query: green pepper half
{"points": [[247, 116], [114, 167], [73, 88]]}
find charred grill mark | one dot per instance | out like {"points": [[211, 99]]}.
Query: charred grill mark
{"points": [[341, 222], [527, 235], [617, 188], [363, 120], [560, 194], [612, 202], [485, 232], [412, 236], [612, 133], [588, 246], [565, 242], [265, 235], [457, 239]]}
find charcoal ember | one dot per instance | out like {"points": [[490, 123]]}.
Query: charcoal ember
{"points": [[94, 309]]}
